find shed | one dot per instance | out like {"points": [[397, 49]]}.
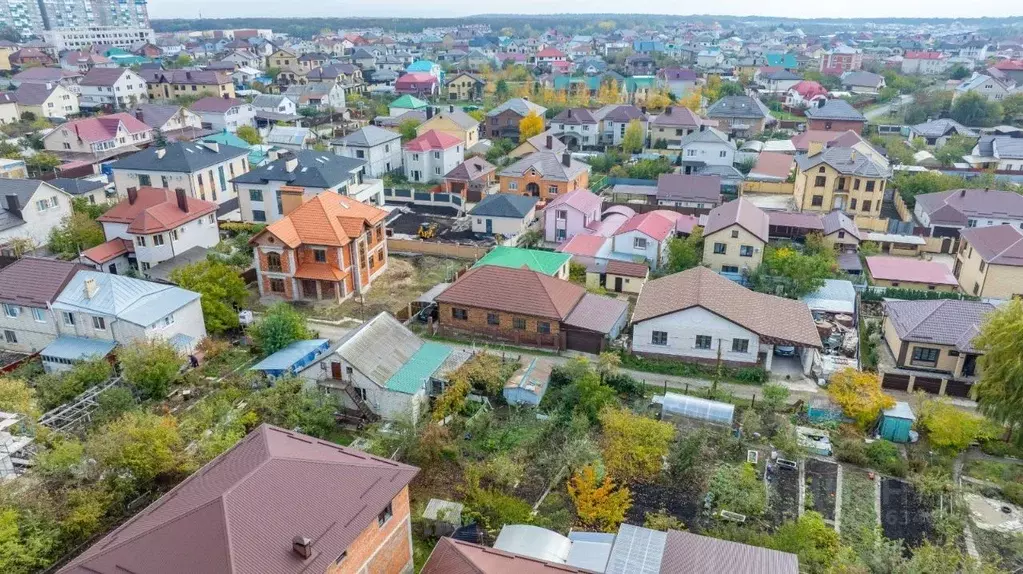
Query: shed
{"points": [[684, 407], [292, 358], [821, 409], [442, 517], [528, 385], [896, 422], [835, 296], [535, 542]]}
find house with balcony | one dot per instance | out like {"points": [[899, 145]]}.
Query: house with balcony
{"points": [[570, 214], [150, 226], [740, 115], [453, 121], [204, 170], [545, 174], [472, 179], [379, 148], [615, 119], [113, 88], [325, 248], [432, 155], [224, 113], [577, 128], [735, 237], [99, 137], [840, 178], [322, 96], [989, 262], [260, 195]]}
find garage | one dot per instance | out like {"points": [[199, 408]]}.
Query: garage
{"points": [[895, 382], [584, 341], [594, 322]]}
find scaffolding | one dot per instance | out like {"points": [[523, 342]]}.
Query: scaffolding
{"points": [[16, 450], [78, 411]]}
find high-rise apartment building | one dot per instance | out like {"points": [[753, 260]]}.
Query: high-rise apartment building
{"points": [[33, 17], [25, 16]]}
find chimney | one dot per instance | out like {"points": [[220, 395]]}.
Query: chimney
{"points": [[133, 195], [643, 109], [290, 163], [49, 86], [13, 204], [188, 75], [451, 109], [566, 159], [667, 111], [160, 153], [569, 112], [550, 142], [182, 199], [814, 148], [138, 114], [90, 288], [429, 112], [962, 193], [703, 128], [272, 155], [302, 546]]}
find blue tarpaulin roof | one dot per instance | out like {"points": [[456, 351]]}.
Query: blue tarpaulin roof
{"points": [[78, 348], [297, 354]]}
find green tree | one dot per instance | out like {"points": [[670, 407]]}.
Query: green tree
{"points": [[789, 273], [634, 446], [55, 389], [279, 327], [249, 134], [139, 445], [17, 397], [112, 404], [731, 89], [76, 233], [1012, 106], [289, 404], [973, 109], [685, 253], [223, 292], [150, 366], [25, 546], [810, 538], [954, 150], [9, 150], [41, 163], [577, 273], [407, 129], [632, 141], [948, 427], [735, 487], [999, 392], [959, 72]]}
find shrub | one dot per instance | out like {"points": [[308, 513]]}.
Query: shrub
{"points": [[1014, 493], [886, 458], [751, 375], [851, 450], [662, 521], [597, 502], [624, 385], [736, 488]]}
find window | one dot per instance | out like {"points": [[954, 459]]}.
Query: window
{"points": [[745, 251], [690, 152], [39, 315], [273, 262], [168, 320], [320, 255], [12, 311], [982, 266], [856, 183], [720, 248], [277, 285], [99, 323], [258, 215], [436, 171], [870, 186], [552, 190], [513, 186], [852, 203], [820, 180], [639, 243], [561, 214], [543, 328], [703, 341], [256, 194], [493, 319], [341, 558], [817, 200], [69, 318], [866, 205], [145, 180], [971, 223], [519, 323], [729, 269], [925, 355], [460, 314], [385, 515], [735, 234], [140, 241], [659, 338], [740, 345], [841, 235], [10, 337], [158, 239]]}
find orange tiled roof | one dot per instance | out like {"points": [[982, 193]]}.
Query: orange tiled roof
{"points": [[327, 219], [155, 209], [319, 271], [109, 250]]}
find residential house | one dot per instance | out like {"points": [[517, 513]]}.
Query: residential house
{"points": [[777, 81], [527, 307], [150, 226], [452, 121], [863, 82], [806, 94], [924, 63], [698, 315], [202, 169], [92, 189], [550, 263], [640, 65], [740, 115], [472, 179], [841, 59], [28, 288], [172, 121], [700, 192], [645, 236], [113, 88], [100, 137], [909, 273], [416, 83], [29, 211], [427, 67], [9, 112], [773, 167], [245, 523], [673, 124], [710, 57], [945, 214], [576, 128], [29, 57], [835, 116], [169, 84], [932, 342], [840, 232], [989, 262], [840, 178], [322, 96], [545, 175], [993, 89], [307, 173], [464, 87], [993, 151], [327, 247], [503, 214], [937, 132], [379, 148], [224, 113], [503, 121], [48, 100], [735, 237], [271, 108], [615, 119], [13, 169], [406, 103], [617, 275], [570, 214], [290, 138], [706, 146], [430, 156], [542, 141]]}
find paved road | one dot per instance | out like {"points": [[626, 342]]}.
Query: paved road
{"points": [[904, 100]]}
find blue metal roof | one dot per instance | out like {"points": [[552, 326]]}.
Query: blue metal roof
{"points": [[134, 300], [78, 348], [291, 355]]}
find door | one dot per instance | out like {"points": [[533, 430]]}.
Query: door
{"points": [[335, 370], [113, 269], [490, 226], [618, 284], [946, 245]]}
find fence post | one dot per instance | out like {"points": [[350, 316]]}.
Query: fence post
{"points": [[753, 401]]}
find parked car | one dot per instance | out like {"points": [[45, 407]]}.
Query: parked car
{"points": [[785, 351]]}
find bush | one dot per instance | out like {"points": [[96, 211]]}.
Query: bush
{"points": [[886, 458], [751, 375], [736, 488], [624, 384], [996, 447], [851, 450], [1013, 493]]}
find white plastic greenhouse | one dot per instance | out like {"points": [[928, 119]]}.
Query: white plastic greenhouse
{"points": [[674, 405]]}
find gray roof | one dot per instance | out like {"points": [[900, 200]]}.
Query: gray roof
{"points": [[548, 164], [315, 169], [861, 78], [288, 135], [156, 115], [457, 115], [684, 187], [738, 107], [624, 113], [180, 157], [835, 110], [24, 189], [33, 94], [367, 136], [1007, 148], [520, 106], [839, 221], [597, 313], [76, 186], [268, 101], [956, 206], [783, 75], [575, 116], [133, 300], [941, 321], [379, 348], [943, 127], [996, 244], [835, 296], [707, 135], [845, 160], [505, 205], [471, 169], [742, 212]]}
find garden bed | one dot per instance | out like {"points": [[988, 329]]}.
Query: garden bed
{"points": [[859, 511], [653, 497], [783, 494], [903, 515], [822, 486]]}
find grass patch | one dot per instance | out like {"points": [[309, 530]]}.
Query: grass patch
{"points": [[741, 375], [1000, 473], [859, 516]]}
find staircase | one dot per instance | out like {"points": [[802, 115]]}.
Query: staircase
{"points": [[365, 413]]}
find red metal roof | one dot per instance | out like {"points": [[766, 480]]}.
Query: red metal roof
{"points": [[104, 128], [155, 210], [550, 53], [585, 245], [109, 250], [416, 78], [433, 140], [922, 55], [653, 225], [890, 268]]}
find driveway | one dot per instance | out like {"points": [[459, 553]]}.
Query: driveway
{"points": [[904, 100]]}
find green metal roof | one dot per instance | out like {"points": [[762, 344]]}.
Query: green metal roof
{"points": [[409, 102], [413, 374], [546, 262], [782, 60]]}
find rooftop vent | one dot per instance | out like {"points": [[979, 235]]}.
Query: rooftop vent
{"points": [[302, 546]]}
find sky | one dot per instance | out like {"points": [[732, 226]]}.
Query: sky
{"points": [[455, 8]]}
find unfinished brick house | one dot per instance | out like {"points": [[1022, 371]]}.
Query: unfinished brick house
{"points": [[328, 248], [278, 501]]}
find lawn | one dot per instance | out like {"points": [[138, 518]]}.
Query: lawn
{"points": [[405, 279], [1000, 473], [859, 515]]}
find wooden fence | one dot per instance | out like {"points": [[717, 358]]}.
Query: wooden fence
{"points": [[420, 247]]}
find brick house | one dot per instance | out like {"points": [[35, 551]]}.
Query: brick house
{"points": [[329, 247], [503, 121], [835, 116], [343, 511], [545, 174]]}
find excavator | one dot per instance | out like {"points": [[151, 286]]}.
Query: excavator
{"points": [[427, 230]]}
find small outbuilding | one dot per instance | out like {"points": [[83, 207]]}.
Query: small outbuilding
{"points": [[442, 517], [292, 358], [896, 422], [528, 385], [676, 408]]}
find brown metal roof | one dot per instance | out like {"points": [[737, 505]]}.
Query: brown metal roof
{"points": [[626, 268], [597, 313], [452, 556], [514, 291], [240, 512], [687, 553], [739, 212], [774, 319], [35, 282]]}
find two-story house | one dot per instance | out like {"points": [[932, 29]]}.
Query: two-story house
{"points": [[673, 124], [29, 210], [840, 178], [28, 287], [49, 100], [432, 155], [989, 262], [322, 96], [571, 214], [101, 137], [503, 121], [946, 213], [150, 226], [993, 151], [645, 236], [224, 113], [706, 146], [924, 62], [169, 84], [379, 148], [260, 194], [577, 128], [172, 121], [202, 169], [274, 107], [453, 121], [464, 87], [328, 247], [544, 174], [735, 237], [114, 88], [615, 119], [834, 116], [994, 89], [740, 115], [417, 83]]}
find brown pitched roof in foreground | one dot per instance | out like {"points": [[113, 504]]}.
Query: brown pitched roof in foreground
{"points": [[687, 553], [34, 281], [514, 291], [452, 556], [240, 512], [775, 319]]}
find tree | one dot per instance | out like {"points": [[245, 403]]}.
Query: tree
{"points": [[55, 389], [408, 128], [634, 445], [76, 233], [249, 134], [25, 547], [954, 150], [632, 141], [731, 89], [222, 289], [860, 395], [112, 404], [685, 253], [789, 273], [17, 397], [279, 327], [598, 503], [41, 163], [1012, 106], [999, 392], [589, 396], [810, 538], [735, 488], [608, 364], [289, 404], [948, 427], [150, 366], [501, 89], [662, 521], [141, 445], [577, 273], [9, 150], [530, 126], [959, 72], [973, 109]]}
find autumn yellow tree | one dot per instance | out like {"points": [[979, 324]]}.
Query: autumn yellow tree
{"points": [[693, 100], [530, 126], [609, 93], [598, 503], [658, 100], [712, 89], [859, 394], [634, 445]]}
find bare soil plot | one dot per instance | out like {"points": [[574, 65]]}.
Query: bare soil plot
{"points": [[903, 515], [821, 486], [782, 494]]}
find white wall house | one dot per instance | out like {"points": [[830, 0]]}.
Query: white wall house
{"points": [[101, 136], [432, 155], [225, 113], [118, 88], [31, 209], [635, 243], [27, 324], [707, 147], [696, 333], [379, 148], [204, 169]]}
